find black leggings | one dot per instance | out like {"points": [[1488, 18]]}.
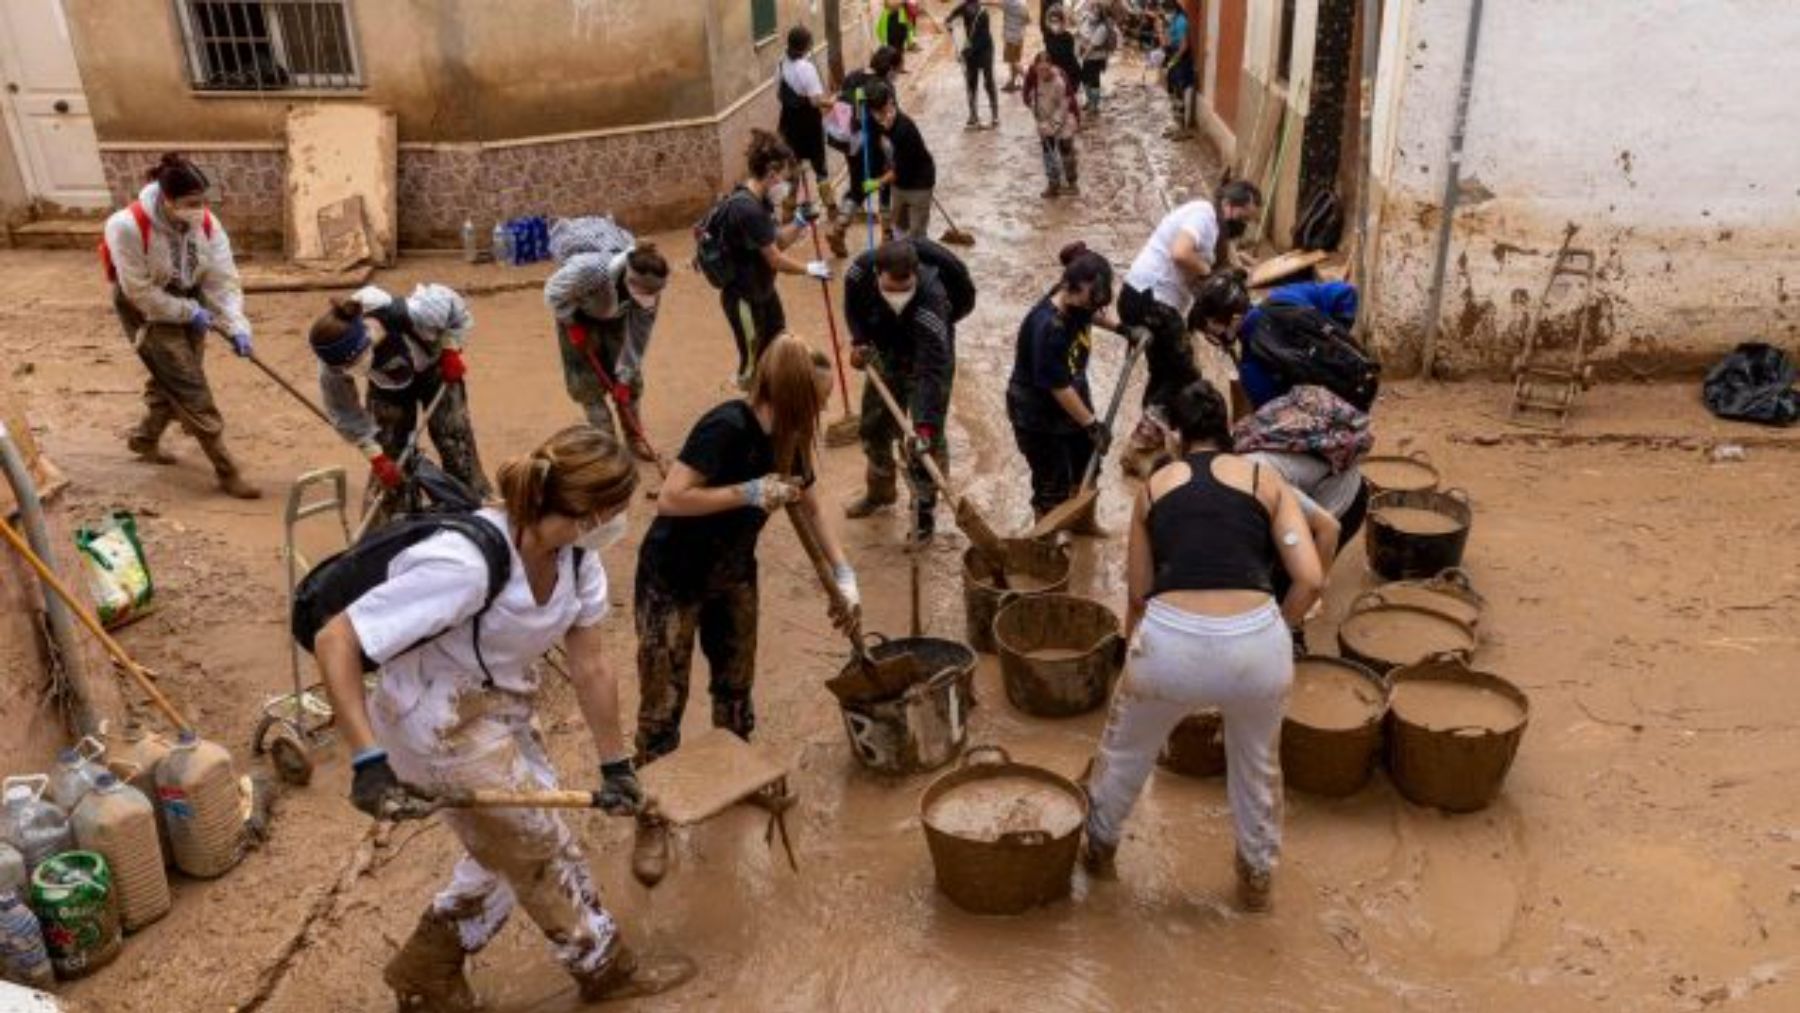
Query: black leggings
{"points": [[766, 318], [1058, 461], [975, 68], [1169, 356]]}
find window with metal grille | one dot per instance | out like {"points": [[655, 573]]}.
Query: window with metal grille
{"points": [[762, 20], [269, 45]]}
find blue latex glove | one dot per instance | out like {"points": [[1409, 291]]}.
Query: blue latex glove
{"points": [[240, 343], [805, 215], [201, 321]]}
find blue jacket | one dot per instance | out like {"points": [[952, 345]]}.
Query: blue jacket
{"points": [[1336, 299]]}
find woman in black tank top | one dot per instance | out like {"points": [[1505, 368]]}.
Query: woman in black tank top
{"points": [[1206, 631]]}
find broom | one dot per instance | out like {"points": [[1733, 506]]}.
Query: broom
{"points": [[952, 235], [847, 430]]}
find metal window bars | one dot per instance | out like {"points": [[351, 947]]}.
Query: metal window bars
{"points": [[269, 45]]}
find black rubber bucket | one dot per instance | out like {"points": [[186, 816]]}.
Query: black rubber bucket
{"points": [[1411, 535]]}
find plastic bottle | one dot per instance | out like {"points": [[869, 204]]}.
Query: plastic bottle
{"points": [[33, 825], [199, 793], [72, 895], [133, 759], [76, 771], [117, 822], [23, 959], [503, 244], [471, 252], [13, 874]]}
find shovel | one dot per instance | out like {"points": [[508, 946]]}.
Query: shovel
{"points": [[968, 518], [870, 678], [952, 235], [1071, 509]]}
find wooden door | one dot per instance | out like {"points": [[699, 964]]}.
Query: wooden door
{"points": [[45, 109]]}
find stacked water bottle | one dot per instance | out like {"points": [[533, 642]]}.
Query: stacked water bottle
{"points": [[519, 241], [84, 849]]}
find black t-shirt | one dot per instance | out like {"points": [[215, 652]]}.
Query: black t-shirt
{"points": [[975, 19], [686, 554], [914, 168], [1050, 354], [749, 226]]}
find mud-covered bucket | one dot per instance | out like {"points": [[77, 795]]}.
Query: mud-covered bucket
{"points": [[1392, 473], [1452, 733], [1033, 567], [1385, 637], [1331, 734], [1196, 748], [1417, 534], [1003, 836], [925, 725], [1059, 654], [1450, 593]]}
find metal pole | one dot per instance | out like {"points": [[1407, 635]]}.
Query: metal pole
{"points": [[1371, 42], [1452, 184]]}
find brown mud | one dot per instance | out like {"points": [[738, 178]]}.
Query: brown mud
{"points": [[990, 808], [1331, 697], [1442, 706], [1404, 635], [1393, 474], [1417, 521], [1643, 855]]}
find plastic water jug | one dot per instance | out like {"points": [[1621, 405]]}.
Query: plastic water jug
{"points": [[72, 895], [471, 251], [77, 768], [117, 822], [199, 795], [23, 959], [13, 874], [502, 244], [30, 823], [134, 759]]}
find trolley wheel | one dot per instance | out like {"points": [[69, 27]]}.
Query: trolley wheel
{"points": [[289, 755]]}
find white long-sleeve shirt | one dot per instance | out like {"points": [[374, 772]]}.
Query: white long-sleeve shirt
{"points": [[183, 259]]}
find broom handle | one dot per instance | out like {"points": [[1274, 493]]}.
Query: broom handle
{"points": [[279, 379], [412, 450], [837, 352], [633, 424], [1112, 410], [809, 540], [54, 583], [893, 407], [490, 798]]}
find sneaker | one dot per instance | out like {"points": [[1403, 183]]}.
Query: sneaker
{"points": [[650, 851], [1254, 887], [974, 123]]}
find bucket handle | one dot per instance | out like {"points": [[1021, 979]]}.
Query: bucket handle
{"points": [[1459, 657], [1421, 456], [1116, 645], [1459, 494], [1373, 596], [969, 755], [90, 748], [1457, 577], [1025, 838], [42, 781]]}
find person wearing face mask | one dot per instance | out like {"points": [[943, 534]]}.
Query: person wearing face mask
{"points": [[454, 709], [606, 301], [173, 279], [911, 170], [1059, 43], [743, 462], [406, 350], [755, 241], [902, 322], [1047, 399]]}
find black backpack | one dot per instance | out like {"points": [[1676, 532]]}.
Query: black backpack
{"points": [[959, 285], [1321, 225], [1299, 346], [712, 247]]}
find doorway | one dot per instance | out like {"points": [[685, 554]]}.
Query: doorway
{"points": [[45, 109]]}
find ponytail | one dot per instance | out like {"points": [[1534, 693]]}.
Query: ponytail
{"points": [[578, 472]]}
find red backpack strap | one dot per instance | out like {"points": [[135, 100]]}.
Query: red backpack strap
{"points": [[206, 220], [142, 217]]}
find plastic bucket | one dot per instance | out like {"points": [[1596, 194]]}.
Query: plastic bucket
{"points": [[1385, 637], [1196, 748], [1320, 753], [1401, 550], [1059, 654], [926, 725], [1392, 473], [1006, 871], [1454, 764], [1450, 593], [1033, 566]]}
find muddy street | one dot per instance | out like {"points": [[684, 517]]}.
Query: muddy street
{"points": [[1645, 853]]}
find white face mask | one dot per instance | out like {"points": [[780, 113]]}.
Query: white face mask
{"points": [[898, 301], [192, 218], [779, 191], [605, 535]]}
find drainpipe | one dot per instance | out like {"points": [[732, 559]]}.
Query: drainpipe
{"points": [[1371, 42], [1452, 184], [62, 624]]}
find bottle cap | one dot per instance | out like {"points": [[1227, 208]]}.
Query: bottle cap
{"points": [[106, 780]]}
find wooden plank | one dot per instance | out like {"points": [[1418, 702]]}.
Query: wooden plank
{"points": [[710, 773], [1285, 265]]}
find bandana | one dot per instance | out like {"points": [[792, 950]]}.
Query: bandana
{"points": [[1307, 420], [346, 349]]}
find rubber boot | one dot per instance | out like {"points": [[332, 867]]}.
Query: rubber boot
{"points": [[231, 480], [881, 491], [650, 851], [1087, 522], [427, 974], [613, 974], [1254, 887], [148, 449]]}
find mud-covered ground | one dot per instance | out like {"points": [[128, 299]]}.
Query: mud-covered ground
{"points": [[1645, 853]]}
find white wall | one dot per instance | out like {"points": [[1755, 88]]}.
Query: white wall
{"points": [[1663, 129]]}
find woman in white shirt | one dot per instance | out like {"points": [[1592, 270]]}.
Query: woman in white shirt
{"points": [[455, 707]]}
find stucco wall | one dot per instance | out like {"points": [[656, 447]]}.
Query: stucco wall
{"points": [[1261, 98], [15, 200], [1661, 130]]}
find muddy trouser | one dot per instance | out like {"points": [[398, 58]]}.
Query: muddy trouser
{"points": [[397, 414], [975, 68], [1059, 160], [1169, 356], [1057, 461], [723, 616], [1180, 662], [755, 321], [583, 384], [1091, 73], [879, 430], [912, 213], [523, 858], [177, 388], [1348, 527]]}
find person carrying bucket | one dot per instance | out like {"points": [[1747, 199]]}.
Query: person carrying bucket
{"points": [[415, 354], [173, 279], [902, 322], [697, 575], [1207, 532], [455, 709], [605, 297]]}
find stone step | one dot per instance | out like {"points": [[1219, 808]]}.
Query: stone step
{"points": [[58, 234]]}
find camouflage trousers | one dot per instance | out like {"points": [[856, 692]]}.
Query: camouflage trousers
{"points": [[397, 415], [177, 388], [723, 618]]}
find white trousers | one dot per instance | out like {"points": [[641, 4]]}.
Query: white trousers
{"points": [[1179, 663]]}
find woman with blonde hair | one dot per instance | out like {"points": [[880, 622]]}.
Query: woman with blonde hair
{"points": [[696, 576], [455, 710]]}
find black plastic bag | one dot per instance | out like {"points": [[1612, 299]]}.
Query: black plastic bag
{"points": [[1755, 383]]}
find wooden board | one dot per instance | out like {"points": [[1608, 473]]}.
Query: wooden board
{"points": [[1285, 265], [710, 773], [344, 232], [337, 151]]}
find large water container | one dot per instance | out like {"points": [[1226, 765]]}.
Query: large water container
{"points": [[13, 874], [77, 768], [28, 822], [199, 794], [134, 759], [23, 959], [118, 823]]}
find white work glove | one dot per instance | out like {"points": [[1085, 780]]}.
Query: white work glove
{"points": [[818, 269], [845, 578], [769, 493]]}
